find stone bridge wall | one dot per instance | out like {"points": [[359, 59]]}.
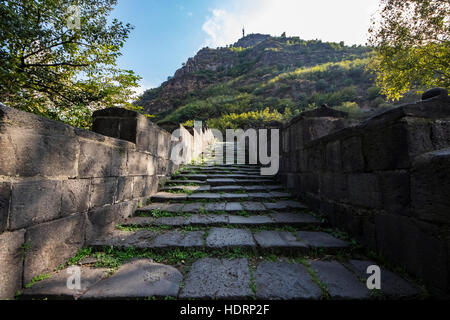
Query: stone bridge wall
{"points": [[385, 181], [61, 185]]}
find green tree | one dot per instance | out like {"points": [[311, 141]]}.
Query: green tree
{"points": [[373, 93], [52, 66], [412, 43]]}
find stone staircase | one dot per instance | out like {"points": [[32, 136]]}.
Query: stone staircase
{"points": [[222, 231]]}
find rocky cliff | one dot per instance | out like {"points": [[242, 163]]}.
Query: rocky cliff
{"points": [[265, 71]]}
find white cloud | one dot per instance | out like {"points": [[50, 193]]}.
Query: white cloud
{"points": [[328, 20], [143, 86]]}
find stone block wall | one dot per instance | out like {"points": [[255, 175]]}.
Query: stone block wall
{"points": [[60, 185], [386, 181]]}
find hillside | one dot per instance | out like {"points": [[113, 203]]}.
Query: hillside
{"points": [[284, 74]]}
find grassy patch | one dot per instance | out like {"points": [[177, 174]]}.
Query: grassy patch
{"points": [[181, 191], [111, 257], [81, 254], [190, 184], [243, 213], [37, 279], [156, 228], [158, 213]]}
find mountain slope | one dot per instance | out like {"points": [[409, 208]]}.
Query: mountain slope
{"points": [[261, 71]]}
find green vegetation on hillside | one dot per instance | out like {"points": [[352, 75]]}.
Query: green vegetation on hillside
{"points": [[251, 119], [275, 78]]}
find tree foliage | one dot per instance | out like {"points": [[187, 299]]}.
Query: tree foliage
{"points": [[245, 120], [50, 68], [412, 42]]}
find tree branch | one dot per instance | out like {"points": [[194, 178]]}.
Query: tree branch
{"points": [[55, 64]]}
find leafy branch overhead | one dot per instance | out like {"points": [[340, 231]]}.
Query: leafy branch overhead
{"points": [[64, 73], [412, 42]]}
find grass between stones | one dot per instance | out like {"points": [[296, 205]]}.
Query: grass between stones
{"points": [[182, 259], [112, 257], [158, 213], [315, 279], [139, 228], [182, 191], [187, 184], [37, 279], [252, 269], [253, 229]]}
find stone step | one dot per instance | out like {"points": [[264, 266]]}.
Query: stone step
{"points": [[231, 188], [219, 169], [230, 181], [228, 207], [198, 176], [220, 278], [201, 188], [235, 165], [210, 220], [216, 238], [228, 188], [217, 196], [220, 182], [221, 172], [184, 182]]}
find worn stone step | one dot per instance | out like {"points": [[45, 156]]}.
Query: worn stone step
{"points": [[219, 278], [222, 172], [273, 219], [227, 188], [138, 279], [184, 182], [220, 181], [392, 285], [219, 206], [248, 166], [218, 169], [217, 196], [55, 287], [200, 188], [339, 281], [231, 188], [285, 281], [229, 181], [226, 166], [217, 238], [199, 176]]}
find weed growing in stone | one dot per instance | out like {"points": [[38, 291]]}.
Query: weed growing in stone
{"points": [[37, 279]]}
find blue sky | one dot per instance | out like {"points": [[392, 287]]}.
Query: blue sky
{"points": [[168, 32]]}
